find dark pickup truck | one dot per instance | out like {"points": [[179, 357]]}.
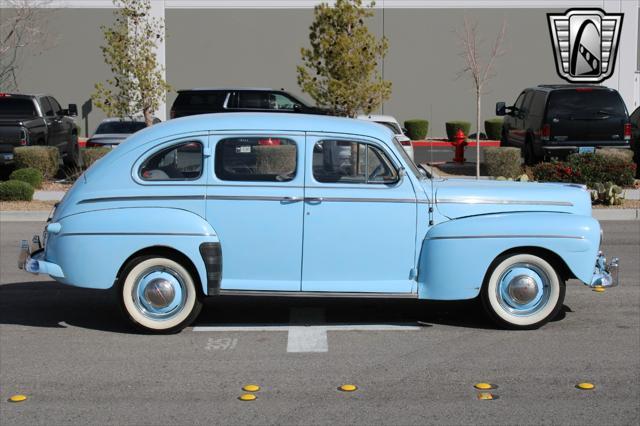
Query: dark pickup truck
{"points": [[27, 120]]}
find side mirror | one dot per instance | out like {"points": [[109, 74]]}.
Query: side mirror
{"points": [[72, 110], [501, 108]]}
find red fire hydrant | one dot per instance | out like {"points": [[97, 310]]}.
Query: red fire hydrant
{"points": [[459, 142]]}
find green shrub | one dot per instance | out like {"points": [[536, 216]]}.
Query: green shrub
{"points": [[453, 126], [493, 128], [417, 129], [16, 190], [43, 158], [32, 176], [503, 161], [91, 155], [588, 169]]}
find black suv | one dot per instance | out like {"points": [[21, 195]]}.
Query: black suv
{"points": [[204, 100], [556, 120]]}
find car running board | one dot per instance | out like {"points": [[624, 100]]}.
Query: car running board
{"points": [[325, 294]]}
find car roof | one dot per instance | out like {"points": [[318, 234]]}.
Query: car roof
{"points": [[125, 119], [255, 121], [227, 89], [551, 87]]}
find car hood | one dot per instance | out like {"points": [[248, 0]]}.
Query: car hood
{"points": [[469, 197]]}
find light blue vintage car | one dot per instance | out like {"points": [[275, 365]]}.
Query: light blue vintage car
{"points": [[290, 204]]}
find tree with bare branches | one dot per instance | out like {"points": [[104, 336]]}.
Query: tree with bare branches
{"points": [[23, 25], [479, 70]]}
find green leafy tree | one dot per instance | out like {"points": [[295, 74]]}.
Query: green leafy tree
{"points": [[137, 85], [340, 69]]}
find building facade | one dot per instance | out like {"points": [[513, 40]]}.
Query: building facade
{"points": [[217, 43]]}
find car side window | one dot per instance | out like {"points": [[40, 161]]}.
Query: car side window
{"points": [[537, 103], [339, 161], [253, 100], [47, 110], [178, 162], [258, 159], [55, 106], [526, 103], [519, 101], [279, 101]]}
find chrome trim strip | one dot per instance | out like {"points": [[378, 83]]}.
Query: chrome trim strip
{"points": [[141, 198], [489, 201], [248, 198], [173, 234], [268, 293], [362, 200], [572, 237]]}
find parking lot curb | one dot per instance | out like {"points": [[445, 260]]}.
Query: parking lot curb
{"points": [[24, 216], [41, 215], [616, 214]]}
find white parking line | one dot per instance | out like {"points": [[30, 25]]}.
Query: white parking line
{"points": [[307, 331]]}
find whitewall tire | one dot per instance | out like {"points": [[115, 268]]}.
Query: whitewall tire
{"points": [[158, 294], [523, 291]]}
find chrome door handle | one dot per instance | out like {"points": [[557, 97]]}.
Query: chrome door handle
{"points": [[313, 199], [291, 199]]}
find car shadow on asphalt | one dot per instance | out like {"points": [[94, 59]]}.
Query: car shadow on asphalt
{"points": [[53, 305]]}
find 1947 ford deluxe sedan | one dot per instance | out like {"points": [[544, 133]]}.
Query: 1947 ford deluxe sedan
{"points": [[289, 204]]}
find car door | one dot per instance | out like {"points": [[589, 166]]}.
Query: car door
{"points": [[255, 204], [62, 126], [516, 122], [53, 126], [359, 218]]}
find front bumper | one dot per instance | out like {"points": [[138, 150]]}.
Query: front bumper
{"points": [[34, 262], [605, 274]]}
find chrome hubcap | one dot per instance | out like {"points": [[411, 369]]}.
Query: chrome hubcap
{"points": [[159, 293], [523, 289]]}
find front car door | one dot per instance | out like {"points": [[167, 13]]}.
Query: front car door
{"points": [[53, 126], [516, 129], [255, 204], [359, 218]]}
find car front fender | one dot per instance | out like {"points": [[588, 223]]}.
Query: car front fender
{"points": [[457, 254]]}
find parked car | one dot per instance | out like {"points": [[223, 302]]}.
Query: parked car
{"points": [[209, 100], [634, 118], [27, 120], [556, 120], [392, 124], [202, 206], [111, 131]]}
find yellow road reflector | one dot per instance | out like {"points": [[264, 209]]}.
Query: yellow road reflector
{"points": [[247, 397], [251, 388], [485, 386], [18, 398], [599, 289], [348, 388], [586, 386], [487, 396]]}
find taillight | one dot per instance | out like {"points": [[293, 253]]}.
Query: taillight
{"points": [[172, 113], [545, 132], [405, 143], [23, 138], [627, 132]]}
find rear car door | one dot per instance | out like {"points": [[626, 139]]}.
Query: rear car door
{"points": [[255, 204], [359, 218]]}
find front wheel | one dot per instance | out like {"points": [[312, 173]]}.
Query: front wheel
{"points": [[158, 294], [523, 291]]}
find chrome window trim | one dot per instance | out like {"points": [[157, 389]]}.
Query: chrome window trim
{"points": [[185, 234], [141, 198], [226, 101], [490, 201]]}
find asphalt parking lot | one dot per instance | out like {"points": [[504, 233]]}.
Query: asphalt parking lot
{"points": [[74, 356]]}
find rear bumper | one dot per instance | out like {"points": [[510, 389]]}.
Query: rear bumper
{"points": [[605, 274], [575, 146], [34, 263]]}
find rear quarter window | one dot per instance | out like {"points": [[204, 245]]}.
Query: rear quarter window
{"points": [[197, 100]]}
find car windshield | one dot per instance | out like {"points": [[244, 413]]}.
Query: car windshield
{"points": [[393, 126], [407, 159], [17, 107], [121, 127], [585, 103]]}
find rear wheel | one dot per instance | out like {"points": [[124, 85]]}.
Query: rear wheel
{"points": [[529, 154], [523, 291], [73, 158], [158, 294]]}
